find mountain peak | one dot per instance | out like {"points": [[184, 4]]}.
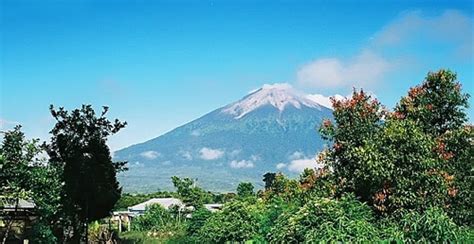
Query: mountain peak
{"points": [[278, 95], [277, 86]]}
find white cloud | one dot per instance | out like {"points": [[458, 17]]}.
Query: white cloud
{"points": [[280, 166], [367, 67], [242, 164], [296, 155], [323, 100], [150, 155], [299, 165], [380, 55], [451, 26], [210, 154], [195, 133], [186, 155]]}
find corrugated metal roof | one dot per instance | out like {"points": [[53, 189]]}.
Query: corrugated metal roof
{"points": [[164, 202], [10, 204]]}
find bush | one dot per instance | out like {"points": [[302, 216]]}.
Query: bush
{"points": [[237, 222], [155, 218], [198, 219], [434, 225], [41, 233], [323, 219]]}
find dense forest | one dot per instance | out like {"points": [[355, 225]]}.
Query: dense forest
{"points": [[401, 174]]}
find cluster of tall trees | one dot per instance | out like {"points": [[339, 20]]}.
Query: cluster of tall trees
{"points": [[72, 186]]}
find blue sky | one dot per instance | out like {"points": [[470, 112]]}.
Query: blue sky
{"points": [[160, 64]]}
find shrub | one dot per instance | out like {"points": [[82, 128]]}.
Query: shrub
{"points": [[198, 219], [236, 222], [434, 225], [324, 219], [155, 217]]}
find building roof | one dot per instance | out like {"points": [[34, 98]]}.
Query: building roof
{"points": [[164, 202], [11, 204], [213, 207]]}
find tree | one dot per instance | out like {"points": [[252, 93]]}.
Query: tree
{"points": [[237, 222], [437, 105], [16, 154], [404, 159], [155, 218], [269, 178], [197, 220], [189, 193], [245, 189], [78, 149]]}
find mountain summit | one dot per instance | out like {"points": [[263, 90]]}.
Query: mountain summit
{"points": [[272, 129], [277, 95]]}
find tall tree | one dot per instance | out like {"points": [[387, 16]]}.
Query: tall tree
{"points": [[417, 157], [190, 193], [245, 189], [78, 147], [16, 154], [437, 105]]}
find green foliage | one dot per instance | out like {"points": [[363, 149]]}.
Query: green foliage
{"points": [[269, 178], [459, 174], [16, 153], [78, 149], [189, 193], [391, 160], [322, 219], [155, 218], [42, 234], [237, 222], [437, 105], [434, 225], [245, 189], [46, 187], [317, 183], [282, 187], [197, 220], [271, 210]]}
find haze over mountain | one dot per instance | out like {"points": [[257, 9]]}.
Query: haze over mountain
{"points": [[271, 129]]}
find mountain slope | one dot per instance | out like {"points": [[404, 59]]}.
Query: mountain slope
{"points": [[271, 129]]}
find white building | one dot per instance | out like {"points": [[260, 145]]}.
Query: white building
{"points": [[166, 203]]}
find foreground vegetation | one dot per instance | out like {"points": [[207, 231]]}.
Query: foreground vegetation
{"points": [[401, 175]]}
